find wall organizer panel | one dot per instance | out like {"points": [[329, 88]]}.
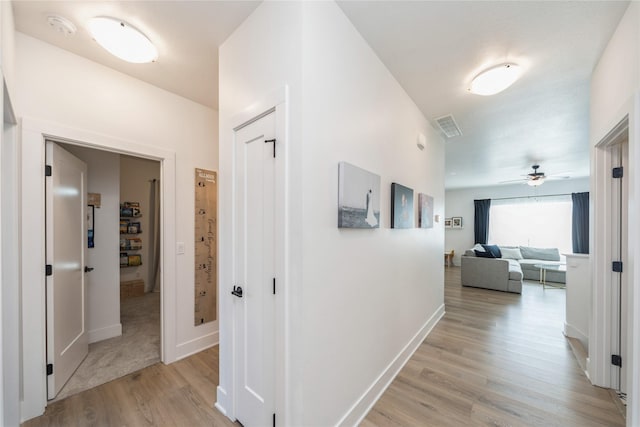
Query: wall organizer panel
{"points": [[206, 238]]}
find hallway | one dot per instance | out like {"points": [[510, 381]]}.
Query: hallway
{"points": [[495, 359]]}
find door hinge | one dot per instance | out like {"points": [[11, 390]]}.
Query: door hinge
{"points": [[48, 270], [50, 369], [616, 360], [616, 266], [618, 172], [274, 420], [274, 285], [47, 170], [267, 141]]}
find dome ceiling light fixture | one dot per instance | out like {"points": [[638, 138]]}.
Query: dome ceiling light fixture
{"points": [[495, 79], [122, 40]]}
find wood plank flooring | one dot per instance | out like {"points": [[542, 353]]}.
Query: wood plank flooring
{"points": [[495, 359], [180, 394]]}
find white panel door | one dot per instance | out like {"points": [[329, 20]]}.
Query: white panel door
{"points": [[67, 339], [254, 249]]}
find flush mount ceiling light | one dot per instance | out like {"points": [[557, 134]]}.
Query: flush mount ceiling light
{"points": [[495, 79], [122, 40]]}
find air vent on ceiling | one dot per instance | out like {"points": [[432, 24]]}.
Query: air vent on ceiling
{"points": [[448, 126]]}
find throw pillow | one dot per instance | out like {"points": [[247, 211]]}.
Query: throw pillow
{"points": [[510, 253], [478, 247], [494, 250], [484, 254]]}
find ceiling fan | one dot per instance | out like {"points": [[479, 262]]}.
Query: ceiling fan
{"points": [[536, 178]]}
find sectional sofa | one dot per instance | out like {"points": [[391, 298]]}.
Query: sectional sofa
{"points": [[505, 273]]}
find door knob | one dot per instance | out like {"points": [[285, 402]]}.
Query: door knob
{"points": [[87, 269], [237, 291]]}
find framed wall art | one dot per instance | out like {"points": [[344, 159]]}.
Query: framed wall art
{"points": [[358, 197], [401, 206], [425, 211]]}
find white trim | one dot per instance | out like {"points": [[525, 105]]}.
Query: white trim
{"points": [[573, 332], [277, 99], [10, 262], [34, 133], [598, 363], [196, 345], [359, 410], [105, 333]]}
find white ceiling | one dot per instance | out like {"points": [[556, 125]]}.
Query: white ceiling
{"points": [[186, 33], [432, 48]]}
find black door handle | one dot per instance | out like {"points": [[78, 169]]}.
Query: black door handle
{"points": [[87, 269], [237, 291]]}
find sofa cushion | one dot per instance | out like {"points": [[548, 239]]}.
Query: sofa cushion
{"points": [[543, 254], [469, 252], [510, 253], [494, 250], [515, 272]]}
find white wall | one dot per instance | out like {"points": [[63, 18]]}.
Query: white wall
{"points": [[359, 300], [615, 94], [9, 234], [135, 174], [460, 203], [55, 86], [103, 283], [272, 35]]}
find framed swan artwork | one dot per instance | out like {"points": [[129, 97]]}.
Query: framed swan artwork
{"points": [[358, 197]]}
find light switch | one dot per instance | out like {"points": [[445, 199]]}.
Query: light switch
{"points": [[180, 248]]}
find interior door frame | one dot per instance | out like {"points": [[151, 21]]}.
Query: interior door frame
{"points": [[226, 392], [627, 121], [34, 133]]}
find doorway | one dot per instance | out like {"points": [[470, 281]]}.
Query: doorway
{"points": [[619, 253], [33, 134], [123, 299]]}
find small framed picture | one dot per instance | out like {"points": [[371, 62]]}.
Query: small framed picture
{"points": [[447, 223], [456, 222]]}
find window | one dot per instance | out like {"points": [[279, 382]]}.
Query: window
{"points": [[543, 222]]}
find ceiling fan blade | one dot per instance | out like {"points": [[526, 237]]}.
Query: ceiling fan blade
{"points": [[554, 177], [523, 180]]}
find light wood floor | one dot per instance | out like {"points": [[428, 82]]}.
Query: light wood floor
{"points": [[495, 359], [180, 394]]}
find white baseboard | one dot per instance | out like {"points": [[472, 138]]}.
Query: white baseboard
{"points": [[194, 346], [573, 332], [222, 400], [363, 405], [105, 333]]}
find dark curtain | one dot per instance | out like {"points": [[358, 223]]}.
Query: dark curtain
{"points": [[481, 220], [580, 223]]}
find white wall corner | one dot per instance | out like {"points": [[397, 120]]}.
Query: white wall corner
{"points": [[196, 345], [363, 405]]}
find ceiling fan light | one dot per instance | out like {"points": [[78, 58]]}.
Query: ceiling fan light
{"points": [[122, 40], [495, 79], [536, 182]]}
